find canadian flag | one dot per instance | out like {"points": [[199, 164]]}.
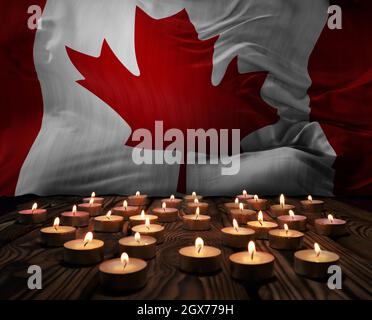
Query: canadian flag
{"points": [[75, 90]]}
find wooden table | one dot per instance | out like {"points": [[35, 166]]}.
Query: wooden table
{"points": [[20, 248]]}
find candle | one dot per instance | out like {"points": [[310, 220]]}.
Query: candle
{"points": [[192, 197], [314, 263], [251, 265], [285, 239], [94, 209], [75, 218], [95, 199], [141, 219], [234, 205], [57, 235], [256, 203], [244, 196], [330, 226], [138, 199], [85, 251], [261, 227], [235, 236], [197, 221], [294, 221], [165, 214], [153, 230], [191, 206], [123, 274], [172, 202], [108, 223], [282, 208], [200, 258], [137, 246], [126, 211], [311, 205], [32, 216], [241, 215]]}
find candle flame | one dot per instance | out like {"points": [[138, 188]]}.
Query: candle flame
{"points": [[125, 204], [196, 200], [330, 218], [74, 209], [260, 217], [91, 201], [143, 216], [193, 194], [108, 214], [164, 206], [282, 200], [88, 238], [137, 237], [236, 201], [147, 223], [317, 249], [93, 195], [286, 228], [199, 244], [255, 197], [138, 194], [310, 198], [34, 207], [245, 193], [235, 225], [172, 197], [241, 206], [291, 214], [251, 249], [124, 258], [56, 223], [197, 213]]}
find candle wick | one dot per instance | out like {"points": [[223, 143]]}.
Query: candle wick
{"points": [[125, 265], [260, 222], [252, 254], [55, 227], [199, 249], [85, 243]]}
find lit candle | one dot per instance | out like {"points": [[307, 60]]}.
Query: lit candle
{"points": [[236, 237], [148, 229], [330, 226], [32, 216], [282, 208], [285, 239], [75, 218], [200, 258], [314, 263], [191, 197], [234, 205], [137, 246], [138, 199], [294, 221], [261, 227], [126, 211], [165, 214], [95, 199], [123, 274], [244, 196], [241, 215], [93, 208], [197, 221], [85, 251], [57, 235], [108, 223], [141, 219], [311, 205], [251, 265], [256, 203], [191, 206], [172, 202]]}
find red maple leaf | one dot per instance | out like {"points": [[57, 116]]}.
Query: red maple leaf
{"points": [[174, 84]]}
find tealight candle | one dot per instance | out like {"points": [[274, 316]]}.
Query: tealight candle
{"points": [[126, 211], [241, 215], [314, 263], [285, 239], [172, 202], [192, 197], [94, 209], [330, 226], [95, 199], [32, 216], [141, 219], [234, 205], [108, 223], [165, 214], [200, 258], [57, 235], [235, 236], [191, 206], [152, 230], [252, 266], [311, 205], [75, 218], [282, 208], [261, 227], [138, 199], [256, 203], [244, 196], [85, 251], [294, 221], [137, 246], [123, 274], [197, 221]]}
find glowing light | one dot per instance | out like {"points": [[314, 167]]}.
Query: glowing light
{"points": [[108, 214], [236, 201], [197, 213], [251, 249], [199, 244], [255, 197], [172, 197], [193, 194], [317, 249], [143, 216], [124, 258], [245, 193], [125, 204], [196, 200], [260, 217], [330, 218], [91, 201], [138, 194], [286, 228], [241, 206], [282, 200], [235, 225], [74, 209], [147, 223], [291, 214], [56, 223], [164, 206], [93, 195], [34, 207], [137, 237], [88, 238]]}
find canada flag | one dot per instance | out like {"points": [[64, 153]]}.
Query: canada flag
{"points": [[76, 89]]}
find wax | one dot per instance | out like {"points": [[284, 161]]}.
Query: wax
{"points": [[234, 205], [172, 202], [57, 236], [153, 230], [76, 253], [95, 199], [126, 212], [279, 210], [191, 207], [244, 197], [207, 261], [335, 228], [237, 237], [243, 216], [75, 219], [191, 198], [295, 222], [108, 224], [262, 228], [94, 209], [257, 204], [137, 200], [316, 206], [32, 216], [166, 214], [139, 219], [285, 240], [144, 248], [196, 223]]}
